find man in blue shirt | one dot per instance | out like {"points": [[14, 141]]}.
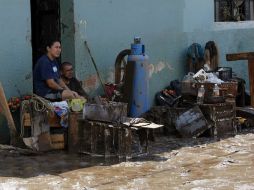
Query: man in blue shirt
{"points": [[47, 80]]}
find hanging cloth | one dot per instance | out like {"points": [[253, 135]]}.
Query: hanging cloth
{"points": [[195, 54]]}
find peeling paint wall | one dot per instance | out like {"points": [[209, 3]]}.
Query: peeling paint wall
{"points": [[230, 37], [109, 26], [167, 28], [15, 47]]}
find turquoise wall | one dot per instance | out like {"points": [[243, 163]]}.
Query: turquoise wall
{"points": [[15, 47], [109, 26], [67, 31], [166, 27], [15, 53]]}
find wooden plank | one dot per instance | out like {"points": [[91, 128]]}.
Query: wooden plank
{"points": [[73, 136], [251, 80], [4, 105], [240, 56], [57, 141], [54, 121], [250, 57]]}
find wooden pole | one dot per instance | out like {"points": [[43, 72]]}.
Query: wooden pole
{"points": [[250, 57], [251, 80], [7, 113]]}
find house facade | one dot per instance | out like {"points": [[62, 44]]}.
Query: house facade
{"points": [[166, 27]]}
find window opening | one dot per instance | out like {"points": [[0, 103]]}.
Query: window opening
{"points": [[233, 10]]}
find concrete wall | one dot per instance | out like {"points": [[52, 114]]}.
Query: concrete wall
{"points": [[15, 53], [167, 28], [15, 47], [67, 31], [230, 37], [109, 26]]}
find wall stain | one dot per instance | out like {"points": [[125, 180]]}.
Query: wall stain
{"points": [[111, 77], [28, 76], [91, 83], [28, 32], [157, 68]]}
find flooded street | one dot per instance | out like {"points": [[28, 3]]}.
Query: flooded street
{"points": [[171, 164]]}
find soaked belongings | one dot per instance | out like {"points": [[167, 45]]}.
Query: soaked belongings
{"points": [[98, 138], [195, 54], [222, 116], [226, 88], [166, 116], [247, 113], [104, 136], [110, 112], [192, 123], [211, 55], [192, 82], [37, 118], [114, 139]]}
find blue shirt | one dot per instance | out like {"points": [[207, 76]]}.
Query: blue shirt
{"points": [[45, 69]]}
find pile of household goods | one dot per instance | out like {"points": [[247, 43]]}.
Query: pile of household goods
{"points": [[44, 124], [99, 127], [204, 102], [105, 130]]}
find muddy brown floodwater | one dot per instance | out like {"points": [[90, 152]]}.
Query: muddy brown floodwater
{"points": [[172, 164]]}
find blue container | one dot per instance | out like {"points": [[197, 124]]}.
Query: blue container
{"points": [[137, 86]]}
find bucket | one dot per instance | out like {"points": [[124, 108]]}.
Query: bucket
{"points": [[225, 73]]}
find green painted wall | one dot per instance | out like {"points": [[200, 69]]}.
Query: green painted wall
{"points": [[15, 53], [166, 27], [67, 31], [15, 47], [109, 26]]}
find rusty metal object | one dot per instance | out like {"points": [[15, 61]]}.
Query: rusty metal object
{"points": [[120, 65]]}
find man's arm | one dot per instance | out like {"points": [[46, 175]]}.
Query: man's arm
{"points": [[62, 84], [53, 85], [80, 89], [61, 87]]}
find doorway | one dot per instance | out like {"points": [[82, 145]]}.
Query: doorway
{"points": [[45, 24]]}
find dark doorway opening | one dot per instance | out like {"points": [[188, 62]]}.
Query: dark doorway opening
{"points": [[45, 21]]}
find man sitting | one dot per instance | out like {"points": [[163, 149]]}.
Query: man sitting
{"points": [[70, 81]]}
